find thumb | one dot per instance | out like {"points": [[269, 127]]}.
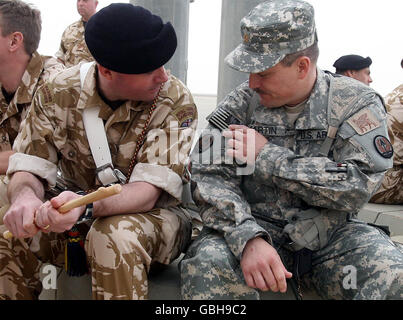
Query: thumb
{"points": [[60, 200]]}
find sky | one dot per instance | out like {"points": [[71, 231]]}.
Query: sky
{"points": [[366, 27]]}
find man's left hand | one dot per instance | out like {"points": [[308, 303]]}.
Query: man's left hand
{"points": [[49, 219], [244, 143]]}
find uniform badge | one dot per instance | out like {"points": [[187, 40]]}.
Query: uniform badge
{"points": [[205, 142], [184, 115], [246, 38], [383, 146], [363, 122]]}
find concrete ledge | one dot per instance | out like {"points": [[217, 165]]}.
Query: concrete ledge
{"points": [[382, 214]]}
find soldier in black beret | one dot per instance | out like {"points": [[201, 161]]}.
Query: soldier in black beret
{"points": [[354, 66], [121, 119]]}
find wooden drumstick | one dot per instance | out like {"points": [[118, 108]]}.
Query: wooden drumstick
{"points": [[101, 193]]}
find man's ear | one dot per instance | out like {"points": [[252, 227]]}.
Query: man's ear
{"points": [[16, 40], [303, 64], [349, 73], [106, 73]]}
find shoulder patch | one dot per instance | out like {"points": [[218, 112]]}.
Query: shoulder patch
{"points": [[184, 115], [364, 121], [383, 146]]}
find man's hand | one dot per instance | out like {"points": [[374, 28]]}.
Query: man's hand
{"points": [[244, 144], [262, 267], [19, 219], [49, 219]]}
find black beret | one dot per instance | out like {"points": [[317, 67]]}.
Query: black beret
{"points": [[352, 62], [129, 39]]}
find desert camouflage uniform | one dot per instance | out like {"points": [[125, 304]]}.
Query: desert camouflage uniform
{"points": [[120, 248], [73, 48], [391, 190], [13, 113]]}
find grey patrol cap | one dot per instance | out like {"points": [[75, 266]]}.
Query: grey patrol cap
{"points": [[272, 30]]}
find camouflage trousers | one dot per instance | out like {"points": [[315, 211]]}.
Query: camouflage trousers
{"points": [[359, 262], [391, 189], [120, 251]]}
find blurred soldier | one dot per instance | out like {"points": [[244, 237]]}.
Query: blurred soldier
{"points": [[73, 48], [149, 118], [319, 145], [391, 190], [354, 66], [22, 71]]}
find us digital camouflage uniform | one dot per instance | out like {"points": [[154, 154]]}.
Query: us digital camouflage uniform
{"points": [[12, 114], [391, 190], [120, 248], [290, 185], [73, 48]]}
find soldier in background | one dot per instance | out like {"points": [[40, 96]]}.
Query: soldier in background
{"points": [[391, 189], [136, 97], [73, 48], [317, 161], [22, 71], [354, 66]]}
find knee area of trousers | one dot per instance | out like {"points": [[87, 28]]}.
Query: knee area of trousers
{"points": [[114, 236]]}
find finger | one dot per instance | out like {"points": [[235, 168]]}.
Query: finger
{"points": [[260, 281], [238, 135], [249, 280], [42, 220], [280, 278], [60, 200], [238, 127], [270, 280], [28, 224], [227, 134]]}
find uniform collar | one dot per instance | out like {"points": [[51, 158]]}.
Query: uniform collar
{"points": [[29, 81], [314, 116]]}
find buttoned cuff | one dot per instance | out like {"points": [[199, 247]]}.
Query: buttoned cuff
{"points": [[32, 164], [159, 176]]}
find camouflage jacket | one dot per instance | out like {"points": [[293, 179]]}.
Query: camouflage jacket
{"points": [[394, 105], [290, 176], [12, 114], [73, 48], [54, 134]]}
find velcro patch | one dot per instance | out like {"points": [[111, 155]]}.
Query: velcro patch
{"points": [[363, 122], [184, 115], [383, 146]]}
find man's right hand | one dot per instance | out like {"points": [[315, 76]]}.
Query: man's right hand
{"points": [[263, 268], [19, 218]]}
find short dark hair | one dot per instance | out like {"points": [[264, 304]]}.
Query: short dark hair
{"points": [[18, 16], [311, 52]]}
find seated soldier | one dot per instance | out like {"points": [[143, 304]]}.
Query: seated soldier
{"points": [[22, 71], [149, 118]]}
